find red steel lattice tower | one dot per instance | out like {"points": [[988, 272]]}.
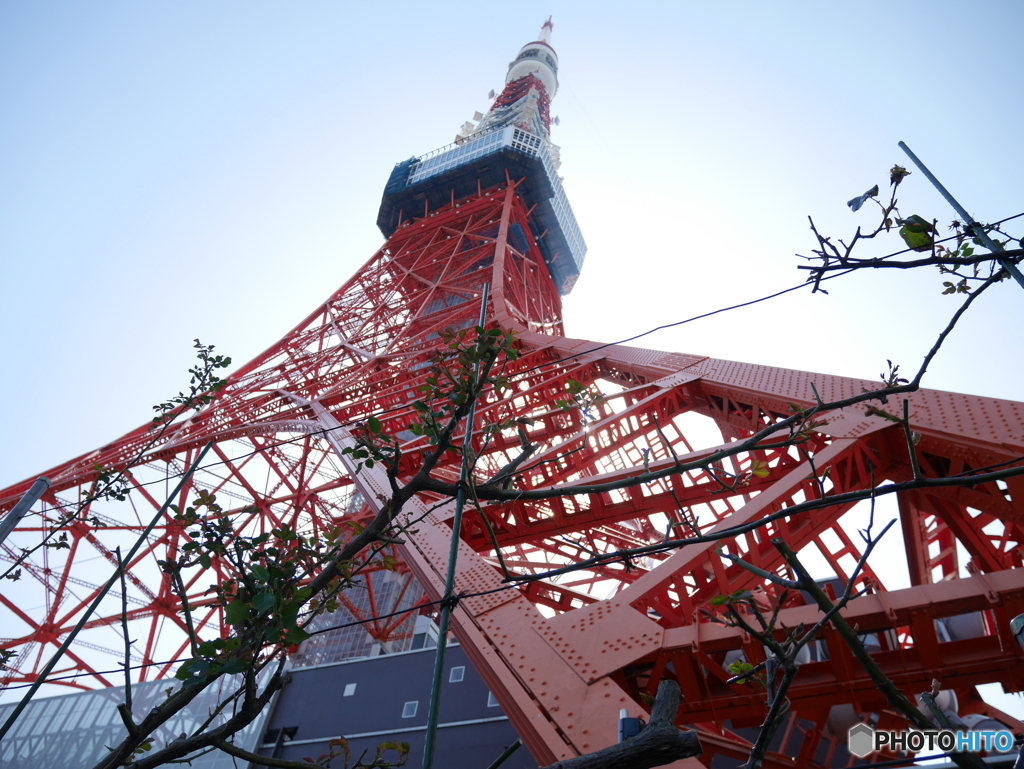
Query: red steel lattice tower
{"points": [[563, 655]]}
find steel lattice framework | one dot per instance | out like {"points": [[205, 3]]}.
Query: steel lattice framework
{"points": [[564, 654]]}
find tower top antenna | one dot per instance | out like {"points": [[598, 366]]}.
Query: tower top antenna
{"points": [[545, 31], [511, 141]]}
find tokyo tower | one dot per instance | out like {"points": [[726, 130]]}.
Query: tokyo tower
{"points": [[565, 654]]}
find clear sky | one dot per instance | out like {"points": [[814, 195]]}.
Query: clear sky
{"points": [[193, 169]]}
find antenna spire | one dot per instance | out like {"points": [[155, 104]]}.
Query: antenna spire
{"points": [[545, 31]]}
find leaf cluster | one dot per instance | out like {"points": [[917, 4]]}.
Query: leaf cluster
{"points": [[920, 235], [204, 384], [452, 382], [109, 483], [579, 397], [261, 587]]}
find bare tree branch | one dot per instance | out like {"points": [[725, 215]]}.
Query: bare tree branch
{"points": [[659, 743], [849, 635]]}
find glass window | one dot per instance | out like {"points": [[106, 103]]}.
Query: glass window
{"points": [[457, 674], [409, 709], [492, 701], [350, 689]]}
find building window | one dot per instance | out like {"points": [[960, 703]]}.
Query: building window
{"points": [[277, 736], [457, 674], [350, 689], [409, 709], [492, 701]]}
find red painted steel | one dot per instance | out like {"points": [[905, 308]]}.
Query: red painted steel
{"points": [[562, 655]]}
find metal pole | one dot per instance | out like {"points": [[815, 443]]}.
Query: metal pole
{"points": [[979, 233], [41, 679], [1017, 629], [449, 582], [24, 505], [508, 752]]}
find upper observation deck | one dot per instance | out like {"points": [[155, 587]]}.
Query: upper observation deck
{"points": [[480, 161]]}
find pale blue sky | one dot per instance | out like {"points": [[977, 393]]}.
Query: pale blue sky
{"points": [[188, 169]]}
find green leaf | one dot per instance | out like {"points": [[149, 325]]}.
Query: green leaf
{"points": [[236, 612], [374, 424], [759, 469], [740, 666], [235, 666], [917, 232], [259, 572], [263, 602], [915, 223], [208, 648], [205, 561], [193, 670], [916, 241], [296, 636]]}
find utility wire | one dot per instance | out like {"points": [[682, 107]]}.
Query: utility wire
{"points": [[626, 340], [543, 365], [515, 376], [418, 607], [87, 673], [518, 581], [546, 364], [512, 377]]}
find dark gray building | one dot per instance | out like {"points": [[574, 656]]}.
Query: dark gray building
{"points": [[370, 700]]}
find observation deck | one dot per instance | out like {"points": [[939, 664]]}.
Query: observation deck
{"points": [[432, 180]]}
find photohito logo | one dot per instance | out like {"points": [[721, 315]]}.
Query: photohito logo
{"points": [[862, 740]]}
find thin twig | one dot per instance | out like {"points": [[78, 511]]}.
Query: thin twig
{"points": [[186, 610], [850, 636], [126, 716], [813, 504], [911, 446], [490, 529]]}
